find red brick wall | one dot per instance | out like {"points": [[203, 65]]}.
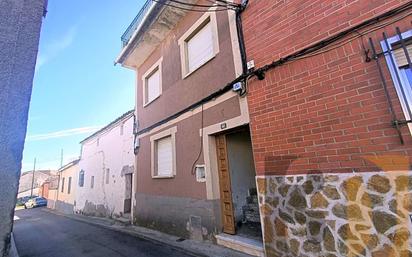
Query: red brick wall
{"points": [[324, 113]]}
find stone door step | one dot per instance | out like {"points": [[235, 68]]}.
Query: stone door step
{"points": [[241, 244]]}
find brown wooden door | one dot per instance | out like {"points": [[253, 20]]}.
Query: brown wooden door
{"points": [[225, 187]]}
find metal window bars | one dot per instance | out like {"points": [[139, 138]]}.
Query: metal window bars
{"points": [[136, 22], [389, 52]]}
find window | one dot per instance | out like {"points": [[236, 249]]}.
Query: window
{"points": [[400, 71], [81, 178], [200, 47], [69, 185], [62, 189], [122, 129], [163, 157], [92, 182], [152, 83], [199, 44], [107, 176]]}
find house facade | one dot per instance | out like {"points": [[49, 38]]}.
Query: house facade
{"points": [[65, 193], [192, 140], [106, 168], [329, 103]]}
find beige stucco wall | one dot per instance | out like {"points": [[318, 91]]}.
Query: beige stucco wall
{"points": [[73, 172]]}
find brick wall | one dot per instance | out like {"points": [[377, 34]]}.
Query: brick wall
{"points": [[327, 112]]}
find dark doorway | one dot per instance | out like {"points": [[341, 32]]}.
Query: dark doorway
{"points": [[238, 186], [128, 193]]}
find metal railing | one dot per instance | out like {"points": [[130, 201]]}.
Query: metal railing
{"points": [[388, 52], [136, 22]]}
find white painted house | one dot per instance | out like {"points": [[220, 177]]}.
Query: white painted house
{"points": [[106, 170]]}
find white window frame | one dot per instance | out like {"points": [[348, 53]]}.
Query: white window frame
{"points": [[182, 42], [155, 67], [396, 71], [153, 140]]}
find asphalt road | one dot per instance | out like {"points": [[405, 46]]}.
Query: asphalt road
{"points": [[43, 234]]}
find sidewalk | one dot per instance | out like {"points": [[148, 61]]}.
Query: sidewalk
{"points": [[204, 249]]}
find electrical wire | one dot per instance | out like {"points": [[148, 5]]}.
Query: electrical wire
{"points": [[197, 5], [190, 9], [223, 2], [314, 49], [299, 54], [201, 143], [350, 39], [245, 90]]}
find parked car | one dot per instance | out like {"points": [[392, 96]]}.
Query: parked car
{"points": [[21, 201], [36, 202]]}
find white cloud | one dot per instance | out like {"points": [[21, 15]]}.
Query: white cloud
{"points": [[52, 49], [63, 133]]}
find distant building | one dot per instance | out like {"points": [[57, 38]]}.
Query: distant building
{"points": [[48, 186], [26, 179], [106, 167], [20, 23]]}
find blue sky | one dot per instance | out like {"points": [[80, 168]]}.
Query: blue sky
{"points": [[77, 89]]}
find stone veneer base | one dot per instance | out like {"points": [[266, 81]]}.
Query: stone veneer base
{"points": [[349, 214]]}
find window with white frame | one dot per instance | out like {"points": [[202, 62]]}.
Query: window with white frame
{"points": [[152, 83], [199, 44], [163, 156], [400, 71]]}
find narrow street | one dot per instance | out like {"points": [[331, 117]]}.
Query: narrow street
{"points": [[40, 233]]}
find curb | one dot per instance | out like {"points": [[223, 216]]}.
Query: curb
{"points": [[131, 233]]}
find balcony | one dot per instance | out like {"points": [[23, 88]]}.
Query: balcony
{"points": [[147, 30], [137, 21]]}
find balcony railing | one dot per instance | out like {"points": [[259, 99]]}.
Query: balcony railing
{"points": [[136, 22]]}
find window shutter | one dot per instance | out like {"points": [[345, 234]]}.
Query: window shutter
{"points": [[164, 157], [200, 47], [153, 86], [400, 56]]}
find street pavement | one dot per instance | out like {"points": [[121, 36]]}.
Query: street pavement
{"points": [[43, 234]]}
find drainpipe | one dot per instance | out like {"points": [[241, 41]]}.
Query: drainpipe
{"points": [[240, 36]]}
